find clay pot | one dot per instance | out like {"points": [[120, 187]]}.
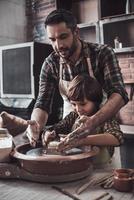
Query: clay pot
{"points": [[53, 165], [123, 180]]}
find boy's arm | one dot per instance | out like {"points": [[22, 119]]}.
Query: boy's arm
{"points": [[111, 135], [112, 127], [65, 125], [89, 124]]}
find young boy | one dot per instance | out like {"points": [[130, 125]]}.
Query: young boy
{"points": [[85, 95]]}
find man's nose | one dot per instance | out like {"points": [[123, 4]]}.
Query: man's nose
{"points": [[58, 44]]}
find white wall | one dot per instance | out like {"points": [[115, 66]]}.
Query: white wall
{"points": [[13, 22]]}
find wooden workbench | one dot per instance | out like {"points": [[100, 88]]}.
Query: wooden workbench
{"points": [[22, 190]]}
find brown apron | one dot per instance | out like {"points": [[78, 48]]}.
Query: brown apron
{"points": [[63, 85], [104, 156]]}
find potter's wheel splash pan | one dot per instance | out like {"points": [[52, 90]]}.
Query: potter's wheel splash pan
{"points": [[55, 168]]}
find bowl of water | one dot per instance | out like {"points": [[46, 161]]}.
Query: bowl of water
{"points": [[6, 145]]}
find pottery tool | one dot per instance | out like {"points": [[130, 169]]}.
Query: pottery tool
{"points": [[101, 196], [107, 179], [110, 198], [63, 191]]}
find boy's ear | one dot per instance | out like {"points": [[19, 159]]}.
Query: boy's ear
{"points": [[14, 124]]}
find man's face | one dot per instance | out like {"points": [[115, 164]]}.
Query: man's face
{"points": [[63, 41]]}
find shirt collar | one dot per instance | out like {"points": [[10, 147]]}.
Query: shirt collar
{"points": [[85, 51]]}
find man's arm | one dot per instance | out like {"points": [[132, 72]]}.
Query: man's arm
{"points": [[40, 116], [38, 120], [109, 109], [44, 101], [112, 84]]}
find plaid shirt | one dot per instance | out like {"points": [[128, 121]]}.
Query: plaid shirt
{"points": [[104, 65]]}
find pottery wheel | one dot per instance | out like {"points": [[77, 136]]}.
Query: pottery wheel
{"points": [[50, 167]]}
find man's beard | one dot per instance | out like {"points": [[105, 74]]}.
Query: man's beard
{"points": [[66, 53]]}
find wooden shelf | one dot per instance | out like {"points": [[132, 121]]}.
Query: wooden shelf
{"points": [[115, 8], [124, 50], [121, 27], [89, 32]]}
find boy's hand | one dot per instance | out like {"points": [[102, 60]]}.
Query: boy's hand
{"points": [[33, 132], [48, 136]]}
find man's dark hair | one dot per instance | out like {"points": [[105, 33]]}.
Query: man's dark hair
{"points": [[84, 86], [61, 15]]}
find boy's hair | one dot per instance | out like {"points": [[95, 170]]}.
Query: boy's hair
{"points": [[84, 86], [61, 15]]}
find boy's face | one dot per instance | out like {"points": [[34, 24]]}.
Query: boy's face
{"points": [[85, 107]]}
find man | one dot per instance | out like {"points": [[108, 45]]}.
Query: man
{"points": [[71, 57]]}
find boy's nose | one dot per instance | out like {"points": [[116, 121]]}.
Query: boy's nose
{"points": [[79, 109]]}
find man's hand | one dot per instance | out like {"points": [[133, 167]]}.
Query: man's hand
{"points": [[67, 144], [85, 128], [48, 136], [72, 140], [86, 124], [33, 132]]}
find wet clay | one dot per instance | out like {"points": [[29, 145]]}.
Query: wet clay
{"points": [[43, 152]]}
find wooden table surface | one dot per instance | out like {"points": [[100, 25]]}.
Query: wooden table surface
{"points": [[14, 189], [22, 190]]}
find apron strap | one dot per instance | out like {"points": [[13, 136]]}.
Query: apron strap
{"points": [[90, 68], [60, 71]]}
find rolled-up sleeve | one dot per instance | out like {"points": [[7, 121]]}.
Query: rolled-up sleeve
{"points": [[47, 87], [113, 81]]}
